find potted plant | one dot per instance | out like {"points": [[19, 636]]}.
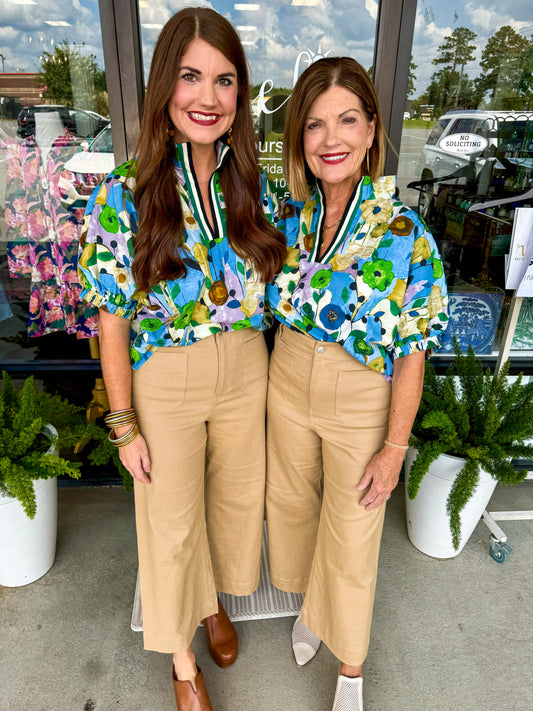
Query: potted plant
{"points": [[475, 424], [33, 425]]}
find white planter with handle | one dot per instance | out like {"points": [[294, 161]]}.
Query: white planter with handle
{"points": [[428, 525], [28, 546]]}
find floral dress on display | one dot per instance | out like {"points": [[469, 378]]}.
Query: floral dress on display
{"points": [[43, 237]]}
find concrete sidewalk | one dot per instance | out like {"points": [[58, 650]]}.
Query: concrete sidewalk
{"points": [[451, 635]]}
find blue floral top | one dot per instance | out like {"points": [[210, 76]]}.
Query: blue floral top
{"points": [[220, 291], [379, 290]]}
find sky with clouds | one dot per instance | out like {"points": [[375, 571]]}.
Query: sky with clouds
{"points": [[278, 37]]}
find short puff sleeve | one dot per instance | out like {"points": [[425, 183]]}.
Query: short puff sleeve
{"points": [[424, 313], [106, 249]]}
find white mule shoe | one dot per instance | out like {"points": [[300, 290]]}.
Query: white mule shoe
{"points": [[305, 644], [349, 694]]}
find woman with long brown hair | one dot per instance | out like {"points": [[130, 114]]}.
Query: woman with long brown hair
{"points": [[178, 244]]}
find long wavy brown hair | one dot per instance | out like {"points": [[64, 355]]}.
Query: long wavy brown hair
{"points": [[160, 228]]}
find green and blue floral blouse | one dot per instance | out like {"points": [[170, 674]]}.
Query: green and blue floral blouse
{"points": [[379, 290], [219, 292]]}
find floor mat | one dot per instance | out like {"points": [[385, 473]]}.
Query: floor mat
{"points": [[267, 601]]}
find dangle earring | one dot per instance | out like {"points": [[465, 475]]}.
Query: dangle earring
{"points": [[367, 162], [170, 132], [230, 140]]}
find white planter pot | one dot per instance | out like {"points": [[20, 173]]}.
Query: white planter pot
{"points": [[28, 546], [428, 525]]}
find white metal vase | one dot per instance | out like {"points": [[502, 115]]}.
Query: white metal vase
{"points": [[28, 546], [428, 525]]}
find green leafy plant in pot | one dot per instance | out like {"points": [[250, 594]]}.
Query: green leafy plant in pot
{"points": [[25, 454], [470, 413]]}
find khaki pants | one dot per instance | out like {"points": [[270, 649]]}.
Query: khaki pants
{"points": [[327, 417], [201, 409]]}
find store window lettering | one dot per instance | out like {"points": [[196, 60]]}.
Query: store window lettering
{"points": [[269, 112], [306, 56], [270, 146]]}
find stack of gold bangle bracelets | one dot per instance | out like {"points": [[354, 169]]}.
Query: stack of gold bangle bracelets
{"points": [[121, 418]]}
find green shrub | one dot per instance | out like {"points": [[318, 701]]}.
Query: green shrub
{"points": [[24, 448], [472, 414]]}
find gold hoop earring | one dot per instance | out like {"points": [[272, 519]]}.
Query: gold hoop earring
{"points": [[230, 140], [367, 162]]}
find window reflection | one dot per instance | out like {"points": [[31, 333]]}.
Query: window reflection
{"points": [[466, 160], [53, 104]]}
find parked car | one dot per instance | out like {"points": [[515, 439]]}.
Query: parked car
{"points": [[88, 167], [473, 146], [80, 122]]}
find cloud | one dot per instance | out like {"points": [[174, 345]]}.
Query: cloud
{"points": [[483, 18], [372, 7], [342, 27], [29, 35]]}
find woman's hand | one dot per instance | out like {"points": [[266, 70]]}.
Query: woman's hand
{"points": [[116, 367], [134, 456], [383, 470], [381, 475]]}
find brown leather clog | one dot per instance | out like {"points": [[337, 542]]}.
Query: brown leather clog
{"points": [[187, 699], [222, 638]]}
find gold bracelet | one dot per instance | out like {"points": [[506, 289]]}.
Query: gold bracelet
{"points": [[405, 447], [121, 423], [121, 418], [126, 438]]}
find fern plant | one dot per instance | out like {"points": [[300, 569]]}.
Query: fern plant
{"points": [[470, 413], [24, 448]]}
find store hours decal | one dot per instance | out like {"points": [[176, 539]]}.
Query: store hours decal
{"points": [[269, 111]]}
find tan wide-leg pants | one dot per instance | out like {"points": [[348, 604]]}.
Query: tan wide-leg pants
{"points": [[327, 415], [201, 409]]}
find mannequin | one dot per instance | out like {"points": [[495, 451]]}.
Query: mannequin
{"points": [[48, 127]]}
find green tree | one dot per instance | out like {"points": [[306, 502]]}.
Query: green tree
{"points": [[502, 62], [525, 85], [448, 90], [412, 78], [70, 77], [455, 52]]}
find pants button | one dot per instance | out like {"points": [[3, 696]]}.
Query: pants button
{"points": [[320, 349]]}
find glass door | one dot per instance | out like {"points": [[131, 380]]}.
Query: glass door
{"points": [[280, 39], [466, 161], [55, 146]]}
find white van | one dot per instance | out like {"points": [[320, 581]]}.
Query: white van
{"points": [[477, 145]]}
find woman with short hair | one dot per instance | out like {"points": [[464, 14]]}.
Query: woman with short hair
{"points": [[361, 299]]}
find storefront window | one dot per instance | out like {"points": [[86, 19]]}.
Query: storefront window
{"points": [[466, 160], [55, 146], [280, 39]]}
